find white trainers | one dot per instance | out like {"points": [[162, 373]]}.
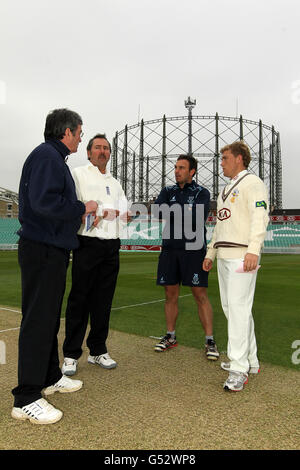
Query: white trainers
{"points": [[236, 381], [38, 412], [252, 370], [69, 366], [64, 385], [104, 360]]}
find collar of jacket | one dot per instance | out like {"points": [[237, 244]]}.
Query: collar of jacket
{"points": [[236, 177], [94, 168], [60, 147], [187, 185]]}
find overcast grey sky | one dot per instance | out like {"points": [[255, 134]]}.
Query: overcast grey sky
{"points": [[104, 59]]}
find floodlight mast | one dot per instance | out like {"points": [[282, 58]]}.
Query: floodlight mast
{"points": [[190, 104]]}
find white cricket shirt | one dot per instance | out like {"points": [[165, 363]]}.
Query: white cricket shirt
{"points": [[92, 185]]}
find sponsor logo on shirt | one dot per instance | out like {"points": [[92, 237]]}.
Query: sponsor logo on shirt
{"points": [[261, 204], [224, 214]]}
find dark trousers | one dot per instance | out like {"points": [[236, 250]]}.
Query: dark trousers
{"points": [[43, 278], [95, 270]]}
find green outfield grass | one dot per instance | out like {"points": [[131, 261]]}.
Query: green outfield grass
{"points": [[276, 306]]}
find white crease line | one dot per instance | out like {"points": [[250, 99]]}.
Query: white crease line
{"points": [[147, 303], [10, 310], [114, 308], [10, 329]]}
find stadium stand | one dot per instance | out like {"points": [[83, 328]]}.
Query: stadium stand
{"points": [[283, 237], [8, 234]]}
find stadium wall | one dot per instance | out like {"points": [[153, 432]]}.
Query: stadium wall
{"points": [[283, 234]]}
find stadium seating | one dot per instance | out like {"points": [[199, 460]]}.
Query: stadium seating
{"points": [[281, 238], [8, 233]]}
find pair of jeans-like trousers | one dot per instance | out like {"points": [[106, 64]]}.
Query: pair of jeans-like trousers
{"points": [[95, 268], [43, 278]]}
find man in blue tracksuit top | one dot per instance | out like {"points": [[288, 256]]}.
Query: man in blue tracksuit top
{"points": [[50, 216], [183, 251]]}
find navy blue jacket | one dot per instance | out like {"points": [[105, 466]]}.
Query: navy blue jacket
{"points": [[49, 211], [191, 195]]}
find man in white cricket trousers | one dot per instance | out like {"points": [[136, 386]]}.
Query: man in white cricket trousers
{"points": [[242, 219]]}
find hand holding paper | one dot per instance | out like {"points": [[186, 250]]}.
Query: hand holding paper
{"points": [[240, 269], [90, 209], [89, 221], [250, 264]]}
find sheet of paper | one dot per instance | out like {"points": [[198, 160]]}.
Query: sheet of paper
{"points": [[240, 269], [89, 221]]}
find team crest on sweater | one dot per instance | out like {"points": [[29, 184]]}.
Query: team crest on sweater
{"points": [[224, 214], [234, 195]]}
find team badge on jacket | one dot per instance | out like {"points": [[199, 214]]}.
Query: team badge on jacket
{"points": [[234, 194], [261, 204], [224, 213]]}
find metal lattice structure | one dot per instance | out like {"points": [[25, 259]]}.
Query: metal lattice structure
{"points": [[144, 154]]}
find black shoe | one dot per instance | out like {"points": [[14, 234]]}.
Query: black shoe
{"points": [[167, 342], [211, 350]]}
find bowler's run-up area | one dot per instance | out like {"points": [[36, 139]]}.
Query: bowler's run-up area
{"points": [[135, 405]]}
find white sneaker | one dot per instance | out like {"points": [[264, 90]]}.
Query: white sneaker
{"points": [[104, 360], [69, 366], [38, 412], [235, 381], [252, 370], [64, 385]]}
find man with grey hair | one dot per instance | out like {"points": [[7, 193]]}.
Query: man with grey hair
{"points": [[50, 215]]}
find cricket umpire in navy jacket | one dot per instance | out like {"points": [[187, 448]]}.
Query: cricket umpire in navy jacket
{"points": [[50, 215]]}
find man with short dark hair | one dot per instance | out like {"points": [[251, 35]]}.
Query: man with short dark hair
{"points": [[95, 263], [242, 219], [50, 215], [180, 261]]}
